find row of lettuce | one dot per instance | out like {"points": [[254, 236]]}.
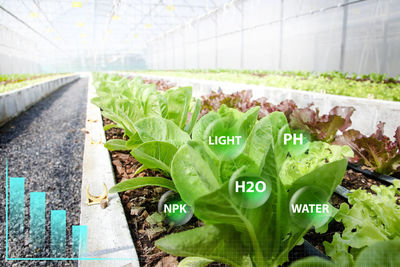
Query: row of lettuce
{"points": [[377, 152], [164, 131], [9, 82], [374, 85]]}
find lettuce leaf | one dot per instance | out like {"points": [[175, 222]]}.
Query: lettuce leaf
{"points": [[376, 151], [371, 218], [318, 154]]}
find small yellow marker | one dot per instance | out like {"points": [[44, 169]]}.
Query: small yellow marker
{"points": [[76, 4], [93, 200], [147, 26], [34, 15], [171, 8], [115, 17]]}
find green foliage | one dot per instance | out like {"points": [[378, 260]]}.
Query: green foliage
{"points": [[318, 154], [383, 253], [194, 262], [155, 155], [264, 235], [332, 83], [146, 115], [140, 182], [10, 82], [116, 144], [371, 218], [158, 126]]}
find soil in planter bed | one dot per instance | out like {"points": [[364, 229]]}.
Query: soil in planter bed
{"points": [[356, 180]]}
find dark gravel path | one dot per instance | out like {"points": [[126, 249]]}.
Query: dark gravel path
{"points": [[45, 145]]}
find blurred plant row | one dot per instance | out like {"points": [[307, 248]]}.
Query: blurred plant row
{"points": [[9, 82], [374, 85]]}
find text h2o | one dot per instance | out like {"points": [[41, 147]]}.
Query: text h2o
{"points": [[259, 186]]}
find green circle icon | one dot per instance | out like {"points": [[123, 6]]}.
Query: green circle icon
{"points": [[175, 210], [297, 142], [308, 207], [249, 192], [225, 141]]}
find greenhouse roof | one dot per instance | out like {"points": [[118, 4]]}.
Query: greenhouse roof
{"points": [[67, 28]]}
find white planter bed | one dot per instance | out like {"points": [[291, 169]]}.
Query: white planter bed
{"points": [[108, 232], [15, 102]]}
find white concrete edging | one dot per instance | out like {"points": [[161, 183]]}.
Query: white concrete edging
{"points": [[367, 115], [108, 232], [15, 102]]}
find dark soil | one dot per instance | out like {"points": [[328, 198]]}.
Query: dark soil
{"points": [[356, 180]]}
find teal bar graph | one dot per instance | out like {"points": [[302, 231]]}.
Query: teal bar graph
{"points": [[17, 207], [58, 233], [38, 220], [79, 241], [15, 227]]}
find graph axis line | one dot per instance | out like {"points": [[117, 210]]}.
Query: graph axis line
{"points": [[7, 258]]}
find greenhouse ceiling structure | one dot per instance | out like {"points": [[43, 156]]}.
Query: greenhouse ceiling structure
{"points": [[92, 32]]}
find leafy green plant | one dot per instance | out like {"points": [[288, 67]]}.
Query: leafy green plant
{"points": [[317, 154], [232, 234], [383, 253], [370, 219], [235, 235], [155, 122]]}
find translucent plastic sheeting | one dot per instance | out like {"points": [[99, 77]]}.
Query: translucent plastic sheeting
{"points": [[361, 36], [69, 35]]}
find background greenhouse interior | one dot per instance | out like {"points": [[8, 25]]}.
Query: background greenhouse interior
{"points": [[67, 36], [128, 95]]}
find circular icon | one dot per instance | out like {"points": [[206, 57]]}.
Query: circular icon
{"points": [[225, 141], [308, 207], [297, 142], [249, 192], [175, 210]]}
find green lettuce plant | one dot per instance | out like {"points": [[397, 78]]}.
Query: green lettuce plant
{"points": [[382, 253], [370, 219], [235, 235], [317, 154], [155, 123]]}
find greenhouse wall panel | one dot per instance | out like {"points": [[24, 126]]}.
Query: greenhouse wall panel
{"points": [[252, 18], [297, 7], [229, 51], [365, 37], [228, 19], [352, 36], [207, 47], [263, 54]]}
